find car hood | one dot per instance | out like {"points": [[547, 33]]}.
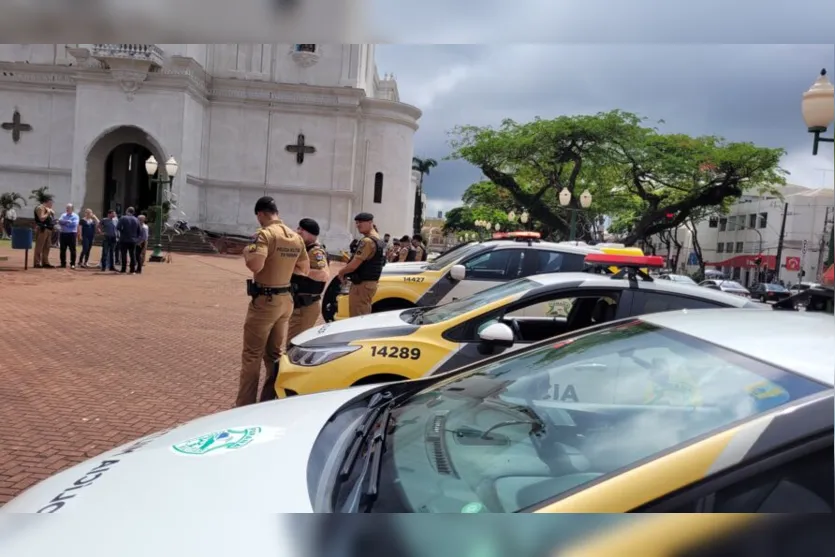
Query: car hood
{"points": [[247, 460], [404, 268], [375, 325]]}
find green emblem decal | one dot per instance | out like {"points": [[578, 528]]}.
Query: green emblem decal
{"points": [[218, 441], [472, 508]]}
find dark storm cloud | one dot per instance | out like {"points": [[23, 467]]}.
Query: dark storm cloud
{"points": [[604, 21], [740, 92]]}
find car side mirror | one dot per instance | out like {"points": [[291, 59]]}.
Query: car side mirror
{"points": [[497, 334], [458, 272]]}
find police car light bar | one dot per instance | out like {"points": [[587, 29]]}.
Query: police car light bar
{"points": [[645, 262], [516, 235]]}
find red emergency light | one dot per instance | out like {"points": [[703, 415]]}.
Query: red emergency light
{"points": [[643, 261], [516, 235]]}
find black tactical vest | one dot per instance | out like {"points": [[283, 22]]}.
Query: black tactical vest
{"points": [[371, 269]]}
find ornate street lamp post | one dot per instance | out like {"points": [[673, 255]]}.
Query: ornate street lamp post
{"points": [[171, 167], [585, 203], [818, 108]]}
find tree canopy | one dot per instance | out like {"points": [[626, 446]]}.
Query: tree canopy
{"points": [[645, 180]]}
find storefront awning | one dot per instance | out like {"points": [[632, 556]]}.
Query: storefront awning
{"points": [[746, 262], [828, 278]]}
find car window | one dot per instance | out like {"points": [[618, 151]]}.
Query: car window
{"points": [[555, 261], [469, 303], [652, 302], [499, 264], [454, 256], [776, 288], [529, 427], [731, 284]]}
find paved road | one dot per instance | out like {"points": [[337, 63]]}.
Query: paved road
{"points": [[91, 360]]}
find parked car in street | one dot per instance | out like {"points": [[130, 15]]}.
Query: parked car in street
{"points": [[680, 279], [802, 286], [729, 286], [769, 292]]}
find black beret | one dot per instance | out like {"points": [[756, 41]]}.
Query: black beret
{"points": [[309, 225], [364, 217]]}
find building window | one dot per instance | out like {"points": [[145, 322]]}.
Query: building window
{"points": [[723, 224], [752, 221], [305, 48], [720, 248], [378, 187], [739, 247], [763, 220], [731, 224], [729, 247], [713, 222]]}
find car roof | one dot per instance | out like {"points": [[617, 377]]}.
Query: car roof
{"points": [[798, 341], [549, 246], [593, 280]]}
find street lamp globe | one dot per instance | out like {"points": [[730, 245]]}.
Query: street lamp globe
{"points": [[565, 197], [498, 227], [488, 225], [511, 216], [524, 217], [585, 199], [171, 167], [818, 105], [151, 165]]}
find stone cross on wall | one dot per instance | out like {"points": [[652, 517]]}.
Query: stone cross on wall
{"points": [[300, 149], [16, 126]]}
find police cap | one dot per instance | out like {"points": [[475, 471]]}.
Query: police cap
{"points": [[364, 217], [310, 226]]}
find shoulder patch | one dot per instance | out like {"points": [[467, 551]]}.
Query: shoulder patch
{"points": [[320, 256], [253, 247]]}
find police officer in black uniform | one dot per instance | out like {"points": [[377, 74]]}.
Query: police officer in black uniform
{"points": [[307, 290]]}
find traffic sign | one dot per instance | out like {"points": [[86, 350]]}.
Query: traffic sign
{"points": [[792, 263], [803, 249]]}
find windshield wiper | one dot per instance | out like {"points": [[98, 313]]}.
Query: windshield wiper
{"points": [[376, 406]]}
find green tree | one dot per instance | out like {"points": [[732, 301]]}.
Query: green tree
{"points": [[41, 195], [424, 167], [635, 174], [11, 200]]}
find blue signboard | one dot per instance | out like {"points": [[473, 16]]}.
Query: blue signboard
{"points": [[692, 259]]}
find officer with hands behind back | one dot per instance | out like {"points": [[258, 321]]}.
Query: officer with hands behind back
{"points": [[276, 254], [365, 267], [307, 290]]}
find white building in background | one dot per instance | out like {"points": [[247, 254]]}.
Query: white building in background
{"points": [[312, 125], [752, 227]]}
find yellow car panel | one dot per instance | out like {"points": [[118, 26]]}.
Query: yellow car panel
{"points": [[402, 287], [415, 355], [660, 535]]}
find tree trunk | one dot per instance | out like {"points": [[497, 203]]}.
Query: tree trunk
{"points": [[697, 247]]}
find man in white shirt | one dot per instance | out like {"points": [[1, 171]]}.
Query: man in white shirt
{"points": [[141, 244]]}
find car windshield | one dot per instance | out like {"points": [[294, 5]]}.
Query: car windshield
{"points": [[453, 256], [523, 430], [477, 300], [775, 287], [731, 284]]}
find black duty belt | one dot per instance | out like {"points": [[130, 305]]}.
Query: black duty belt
{"points": [[253, 289]]}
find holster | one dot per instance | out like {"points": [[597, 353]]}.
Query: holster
{"points": [[252, 289]]}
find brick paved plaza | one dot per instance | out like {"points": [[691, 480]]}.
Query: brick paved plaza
{"points": [[91, 360]]}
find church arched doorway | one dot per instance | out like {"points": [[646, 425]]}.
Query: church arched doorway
{"points": [[116, 177]]}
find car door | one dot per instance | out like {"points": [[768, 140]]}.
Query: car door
{"points": [[585, 308], [486, 270]]}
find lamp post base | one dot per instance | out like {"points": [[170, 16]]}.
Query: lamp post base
{"points": [[156, 256]]}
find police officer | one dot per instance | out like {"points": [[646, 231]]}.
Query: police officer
{"points": [[275, 255], [393, 251], [419, 247], [365, 267], [406, 252], [307, 297], [45, 221]]}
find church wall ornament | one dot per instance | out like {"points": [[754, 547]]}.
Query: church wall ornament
{"points": [[129, 80], [17, 126], [305, 55]]}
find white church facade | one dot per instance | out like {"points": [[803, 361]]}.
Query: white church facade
{"points": [[313, 126]]}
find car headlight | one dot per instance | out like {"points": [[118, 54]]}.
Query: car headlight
{"points": [[317, 356]]}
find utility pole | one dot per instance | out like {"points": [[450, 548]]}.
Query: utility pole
{"points": [[822, 247], [778, 264]]}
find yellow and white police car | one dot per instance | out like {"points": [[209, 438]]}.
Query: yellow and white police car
{"points": [[469, 269], [706, 411], [411, 343]]}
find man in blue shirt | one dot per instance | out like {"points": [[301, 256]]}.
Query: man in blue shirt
{"points": [[107, 226], [129, 230], [69, 236]]}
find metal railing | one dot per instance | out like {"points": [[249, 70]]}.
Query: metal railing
{"points": [[149, 52]]}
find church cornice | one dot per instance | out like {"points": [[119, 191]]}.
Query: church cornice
{"points": [[273, 188], [35, 170]]}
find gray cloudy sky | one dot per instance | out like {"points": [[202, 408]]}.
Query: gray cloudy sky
{"points": [[741, 92]]}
